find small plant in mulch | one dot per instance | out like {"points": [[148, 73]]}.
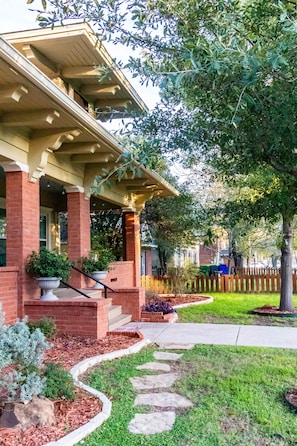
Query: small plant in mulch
{"points": [[150, 296], [59, 383], [158, 306], [46, 325]]}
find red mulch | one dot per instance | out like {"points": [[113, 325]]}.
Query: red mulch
{"points": [[179, 299], [270, 310], [68, 350]]}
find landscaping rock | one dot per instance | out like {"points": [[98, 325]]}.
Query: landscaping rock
{"points": [[38, 412], [165, 356], [171, 346], [158, 366], [154, 382], [152, 423], [163, 399]]}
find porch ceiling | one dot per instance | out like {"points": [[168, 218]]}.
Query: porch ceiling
{"points": [[56, 136], [74, 53]]}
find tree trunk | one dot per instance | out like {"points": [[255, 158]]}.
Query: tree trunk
{"points": [[286, 297]]}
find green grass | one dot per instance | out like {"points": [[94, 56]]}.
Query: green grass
{"points": [[231, 308], [238, 396]]}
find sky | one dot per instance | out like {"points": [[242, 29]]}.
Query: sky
{"points": [[15, 15]]}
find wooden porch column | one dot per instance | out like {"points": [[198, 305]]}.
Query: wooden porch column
{"points": [[132, 243], [79, 229], [22, 222]]}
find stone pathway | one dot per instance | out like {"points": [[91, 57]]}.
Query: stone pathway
{"points": [[166, 402]]}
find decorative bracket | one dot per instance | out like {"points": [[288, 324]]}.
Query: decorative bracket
{"points": [[42, 145]]}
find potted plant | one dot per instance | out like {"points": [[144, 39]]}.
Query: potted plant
{"points": [[97, 264], [48, 267]]}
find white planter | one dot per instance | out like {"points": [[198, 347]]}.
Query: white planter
{"points": [[99, 275], [48, 284]]}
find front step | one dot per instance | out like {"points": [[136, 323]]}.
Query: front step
{"points": [[68, 293], [115, 317]]}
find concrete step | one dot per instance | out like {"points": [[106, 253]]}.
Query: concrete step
{"points": [[118, 321], [68, 293], [114, 311]]}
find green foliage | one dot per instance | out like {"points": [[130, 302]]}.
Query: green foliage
{"points": [[48, 264], [107, 232], [59, 382], [46, 325], [97, 261], [21, 354], [181, 276]]}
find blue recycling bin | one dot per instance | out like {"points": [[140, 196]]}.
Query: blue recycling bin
{"points": [[223, 269]]}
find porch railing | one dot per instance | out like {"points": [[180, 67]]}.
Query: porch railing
{"points": [[106, 287]]}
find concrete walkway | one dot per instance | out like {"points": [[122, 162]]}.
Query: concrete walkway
{"points": [[165, 334]]}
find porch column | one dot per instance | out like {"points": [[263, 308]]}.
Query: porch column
{"points": [[79, 229], [132, 242], [22, 221]]}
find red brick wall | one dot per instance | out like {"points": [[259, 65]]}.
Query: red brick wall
{"points": [[80, 317], [22, 234], [132, 243], [131, 301], [121, 275], [9, 292], [79, 232], [207, 254]]}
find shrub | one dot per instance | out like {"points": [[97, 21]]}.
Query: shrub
{"points": [[158, 305], [151, 295], [48, 264], [46, 325], [59, 383], [97, 261], [21, 354]]}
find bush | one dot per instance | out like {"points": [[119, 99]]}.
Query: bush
{"points": [[97, 261], [46, 325], [59, 383], [151, 295], [48, 264], [21, 354], [158, 305]]}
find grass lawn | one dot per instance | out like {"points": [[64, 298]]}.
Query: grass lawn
{"points": [[238, 396], [231, 308]]}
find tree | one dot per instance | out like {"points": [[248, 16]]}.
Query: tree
{"points": [[231, 65], [175, 223]]}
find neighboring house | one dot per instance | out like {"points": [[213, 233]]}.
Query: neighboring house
{"points": [[51, 149]]}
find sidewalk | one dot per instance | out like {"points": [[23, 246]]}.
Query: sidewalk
{"points": [[239, 335]]}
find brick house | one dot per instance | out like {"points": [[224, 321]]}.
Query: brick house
{"points": [[52, 146]]}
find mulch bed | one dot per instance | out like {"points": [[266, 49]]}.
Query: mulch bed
{"points": [[268, 310], [70, 415], [179, 299], [291, 398]]}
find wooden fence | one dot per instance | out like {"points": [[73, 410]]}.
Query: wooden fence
{"points": [[223, 284]]}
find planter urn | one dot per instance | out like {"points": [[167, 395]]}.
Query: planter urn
{"points": [[48, 285], [99, 275]]}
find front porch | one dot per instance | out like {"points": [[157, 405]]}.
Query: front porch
{"points": [[53, 149]]}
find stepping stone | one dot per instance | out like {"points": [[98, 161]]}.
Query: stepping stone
{"points": [[165, 356], [159, 366], [152, 423], [163, 399], [172, 346], [154, 381]]}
